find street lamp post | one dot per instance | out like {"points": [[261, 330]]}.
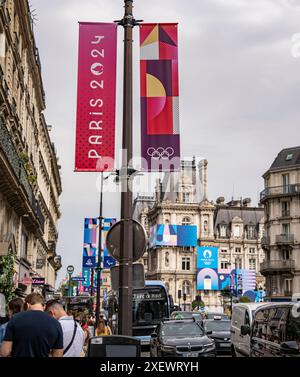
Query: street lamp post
{"points": [[70, 270], [126, 250], [99, 254]]}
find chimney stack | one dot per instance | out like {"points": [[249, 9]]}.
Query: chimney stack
{"points": [[203, 178]]}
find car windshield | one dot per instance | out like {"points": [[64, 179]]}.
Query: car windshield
{"points": [[216, 326], [181, 329]]}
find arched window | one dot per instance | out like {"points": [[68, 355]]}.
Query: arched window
{"points": [[167, 260], [186, 221], [186, 287], [205, 227]]}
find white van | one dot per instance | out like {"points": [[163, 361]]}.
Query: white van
{"points": [[242, 315]]}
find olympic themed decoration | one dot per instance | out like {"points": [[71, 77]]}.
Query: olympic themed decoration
{"points": [[90, 243], [173, 235], [159, 97], [108, 261], [96, 97], [211, 277]]}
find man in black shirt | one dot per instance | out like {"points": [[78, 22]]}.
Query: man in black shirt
{"points": [[33, 333]]}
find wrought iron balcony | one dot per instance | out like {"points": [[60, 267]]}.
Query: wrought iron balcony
{"points": [[265, 241], [280, 191], [285, 239], [277, 266], [15, 162]]}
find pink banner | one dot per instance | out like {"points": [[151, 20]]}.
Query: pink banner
{"points": [[96, 97]]}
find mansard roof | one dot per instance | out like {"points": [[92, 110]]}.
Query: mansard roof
{"points": [[287, 158], [250, 216]]}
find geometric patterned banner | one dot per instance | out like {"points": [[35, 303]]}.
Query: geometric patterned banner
{"points": [[159, 97]]}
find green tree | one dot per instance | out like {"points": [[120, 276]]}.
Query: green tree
{"points": [[7, 268], [245, 299], [197, 304]]}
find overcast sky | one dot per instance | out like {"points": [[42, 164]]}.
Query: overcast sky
{"points": [[239, 93]]}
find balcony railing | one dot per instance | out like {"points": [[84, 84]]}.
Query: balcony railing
{"points": [[285, 239], [16, 164], [280, 190], [265, 241], [277, 265]]}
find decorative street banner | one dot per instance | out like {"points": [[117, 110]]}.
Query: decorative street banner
{"points": [[159, 97], [96, 97], [173, 235], [108, 261], [90, 239]]}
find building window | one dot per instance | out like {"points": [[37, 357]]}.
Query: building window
{"points": [[225, 265], [186, 264], [223, 251], [252, 264], [251, 232], [186, 221], [287, 254], [285, 208], [223, 231], [186, 288], [285, 182], [238, 250], [252, 250], [205, 227], [186, 197], [236, 231], [238, 263], [24, 245], [288, 286], [146, 262], [187, 248], [286, 229], [167, 260]]}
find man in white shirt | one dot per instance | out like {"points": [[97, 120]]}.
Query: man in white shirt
{"points": [[73, 334]]}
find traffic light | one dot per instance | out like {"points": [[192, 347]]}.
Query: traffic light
{"points": [[184, 297], [179, 294]]}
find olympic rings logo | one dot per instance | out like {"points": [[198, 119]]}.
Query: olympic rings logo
{"points": [[160, 153]]}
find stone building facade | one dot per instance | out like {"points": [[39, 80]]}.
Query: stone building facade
{"points": [[176, 202], [30, 183], [281, 199]]}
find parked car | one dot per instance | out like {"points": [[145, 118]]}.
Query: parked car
{"points": [[219, 331], [275, 331], [180, 338], [242, 315], [212, 315], [186, 315]]}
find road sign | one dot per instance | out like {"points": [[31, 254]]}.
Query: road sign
{"points": [[70, 269], [138, 279], [114, 239], [77, 278]]}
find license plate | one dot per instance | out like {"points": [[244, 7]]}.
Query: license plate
{"points": [[192, 354], [224, 344]]}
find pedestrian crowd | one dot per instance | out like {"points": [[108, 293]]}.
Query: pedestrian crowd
{"points": [[39, 329]]}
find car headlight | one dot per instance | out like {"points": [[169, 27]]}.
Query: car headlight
{"points": [[168, 348], [209, 346]]}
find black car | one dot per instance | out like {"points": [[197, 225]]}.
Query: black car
{"points": [[275, 331], [181, 338], [219, 331]]}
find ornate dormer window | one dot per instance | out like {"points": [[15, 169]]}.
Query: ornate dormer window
{"points": [[186, 221], [223, 230]]}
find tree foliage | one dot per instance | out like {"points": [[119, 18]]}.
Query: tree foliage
{"points": [[7, 268]]}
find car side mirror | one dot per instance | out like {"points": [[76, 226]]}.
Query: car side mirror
{"points": [[290, 348], [245, 329], [154, 335]]}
